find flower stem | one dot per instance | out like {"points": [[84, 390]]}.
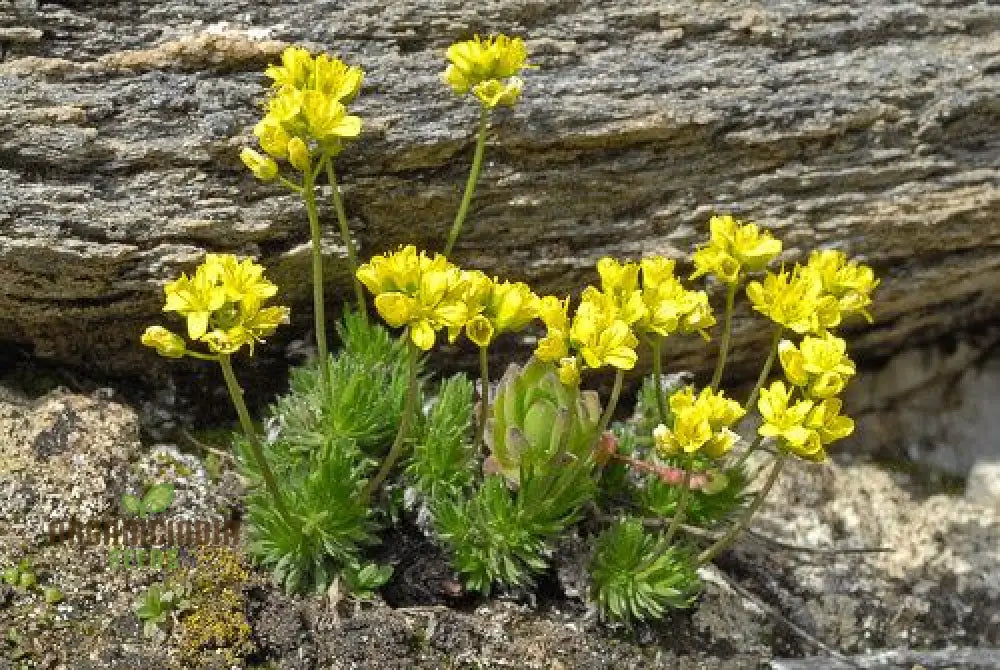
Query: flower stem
{"points": [[345, 236], [484, 395], [470, 185], [319, 310], [236, 394], [612, 403], [409, 408], [727, 332], [765, 371], [679, 513], [727, 539], [661, 401], [746, 454]]}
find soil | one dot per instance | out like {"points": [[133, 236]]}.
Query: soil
{"points": [[811, 588]]}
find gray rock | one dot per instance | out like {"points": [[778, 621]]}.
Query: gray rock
{"points": [[866, 127], [933, 405], [983, 485]]}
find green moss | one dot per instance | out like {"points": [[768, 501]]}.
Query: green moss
{"points": [[215, 625]]}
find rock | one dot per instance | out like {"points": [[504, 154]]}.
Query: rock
{"points": [[983, 485], [62, 456], [933, 406], [869, 128]]}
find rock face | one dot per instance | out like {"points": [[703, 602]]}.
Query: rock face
{"points": [[871, 127]]}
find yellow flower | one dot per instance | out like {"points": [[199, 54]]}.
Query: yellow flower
{"points": [[820, 365], [422, 293], [272, 137], [497, 307], [327, 119], [656, 270], [305, 111], [249, 324], [492, 93], [223, 305], [483, 65], [733, 249], [827, 420], [669, 306], [619, 289], [700, 423], [298, 154], [600, 336], [165, 342], [554, 313], [263, 167], [795, 300], [195, 298], [330, 76], [569, 371], [618, 277], [789, 423], [240, 279], [334, 78], [848, 281], [295, 70]]}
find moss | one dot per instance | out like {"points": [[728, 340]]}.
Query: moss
{"points": [[215, 627]]}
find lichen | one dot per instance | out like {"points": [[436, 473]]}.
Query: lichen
{"points": [[216, 625]]}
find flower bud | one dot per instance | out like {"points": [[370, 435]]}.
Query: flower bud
{"points": [[166, 343], [263, 167], [298, 154]]}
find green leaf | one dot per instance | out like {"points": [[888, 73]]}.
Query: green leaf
{"points": [[158, 498], [131, 504]]}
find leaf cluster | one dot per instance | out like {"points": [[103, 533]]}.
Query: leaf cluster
{"points": [[159, 606], [323, 449], [503, 536], [636, 575], [441, 465]]}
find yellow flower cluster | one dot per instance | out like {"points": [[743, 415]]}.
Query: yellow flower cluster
{"points": [[497, 307], [700, 424], [811, 300], [418, 291], [734, 249], [795, 300], [428, 294], [817, 296], [306, 112], [634, 298], [848, 281], [804, 427], [223, 305], [671, 308], [596, 333], [487, 67], [819, 365]]}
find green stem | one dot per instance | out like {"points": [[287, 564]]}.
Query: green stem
{"points": [[661, 401], [404, 426], [746, 454], [236, 394], [484, 395], [765, 371], [727, 539], [681, 510], [727, 332], [612, 403], [470, 185], [345, 236], [291, 185], [319, 309]]}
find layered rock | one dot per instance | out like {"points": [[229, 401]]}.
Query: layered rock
{"points": [[870, 127]]}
